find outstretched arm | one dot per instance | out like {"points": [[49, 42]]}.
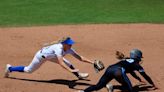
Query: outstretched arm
{"points": [[81, 58], [61, 62], [140, 69], [147, 78], [136, 76]]}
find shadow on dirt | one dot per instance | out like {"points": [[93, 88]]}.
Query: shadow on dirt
{"points": [[70, 83], [137, 88]]}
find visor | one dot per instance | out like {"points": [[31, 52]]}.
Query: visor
{"points": [[68, 41]]}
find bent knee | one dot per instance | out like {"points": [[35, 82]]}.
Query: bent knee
{"points": [[27, 70]]}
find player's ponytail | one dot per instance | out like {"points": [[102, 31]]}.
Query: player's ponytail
{"points": [[56, 42]]}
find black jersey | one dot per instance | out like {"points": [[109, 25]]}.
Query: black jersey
{"points": [[131, 65]]}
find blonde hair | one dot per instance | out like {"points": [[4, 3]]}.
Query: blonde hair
{"points": [[63, 39], [56, 42]]}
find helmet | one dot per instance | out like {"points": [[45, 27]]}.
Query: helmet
{"points": [[136, 54]]}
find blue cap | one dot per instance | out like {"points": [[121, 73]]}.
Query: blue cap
{"points": [[68, 41]]}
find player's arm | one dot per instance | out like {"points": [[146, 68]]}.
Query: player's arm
{"points": [[60, 62], [81, 58], [146, 77], [136, 76]]}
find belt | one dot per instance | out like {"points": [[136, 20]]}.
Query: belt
{"points": [[43, 56]]}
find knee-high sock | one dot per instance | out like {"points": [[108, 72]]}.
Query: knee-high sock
{"points": [[16, 68]]}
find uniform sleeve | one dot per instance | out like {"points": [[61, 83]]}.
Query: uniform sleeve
{"points": [[75, 54], [139, 68], [71, 51]]}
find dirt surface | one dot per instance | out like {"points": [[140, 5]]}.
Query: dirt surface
{"points": [[18, 46]]}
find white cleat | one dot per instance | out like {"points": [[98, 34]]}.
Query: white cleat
{"points": [[83, 75], [109, 87], [7, 71]]}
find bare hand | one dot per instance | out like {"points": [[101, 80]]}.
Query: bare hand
{"points": [[80, 91], [75, 70], [155, 87]]}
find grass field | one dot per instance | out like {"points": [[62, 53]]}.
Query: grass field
{"points": [[50, 12]]}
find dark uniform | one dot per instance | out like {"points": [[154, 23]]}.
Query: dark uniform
{"points": [[118, 71]]}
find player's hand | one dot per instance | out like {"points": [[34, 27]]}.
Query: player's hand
{"points": [[75, 70], [142, 82], [80, 91], [155, 87]]}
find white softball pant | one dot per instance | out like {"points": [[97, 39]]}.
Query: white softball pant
{"points": [[38, 60]]}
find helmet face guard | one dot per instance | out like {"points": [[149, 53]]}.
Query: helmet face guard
{"points": [[136, 54]]}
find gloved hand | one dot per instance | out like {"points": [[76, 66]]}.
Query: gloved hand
{"points": [[98, 65]]}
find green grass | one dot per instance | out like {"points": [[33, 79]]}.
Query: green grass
{"points": [[50, 12]]}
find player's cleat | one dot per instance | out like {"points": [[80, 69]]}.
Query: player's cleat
{"points": [[7, 71], [83, 75], [109, 87]]}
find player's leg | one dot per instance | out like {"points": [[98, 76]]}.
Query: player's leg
{"points": [[35, 64], [127, 84], [10, 69], [107, 76], [124, 80]]}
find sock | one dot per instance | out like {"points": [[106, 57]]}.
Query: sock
{"points": [[17, 68]]}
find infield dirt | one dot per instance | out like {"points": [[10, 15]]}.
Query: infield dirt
{"points": [[19, 45]]}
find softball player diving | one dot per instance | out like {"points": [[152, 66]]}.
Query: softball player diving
{"points": [[118, 72], [54, 52]]}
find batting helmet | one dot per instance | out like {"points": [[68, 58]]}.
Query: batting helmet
{"points": [[136, 54]]}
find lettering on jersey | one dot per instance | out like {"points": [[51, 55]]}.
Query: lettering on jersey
{"points": [[141, 70], [130, 60]]}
